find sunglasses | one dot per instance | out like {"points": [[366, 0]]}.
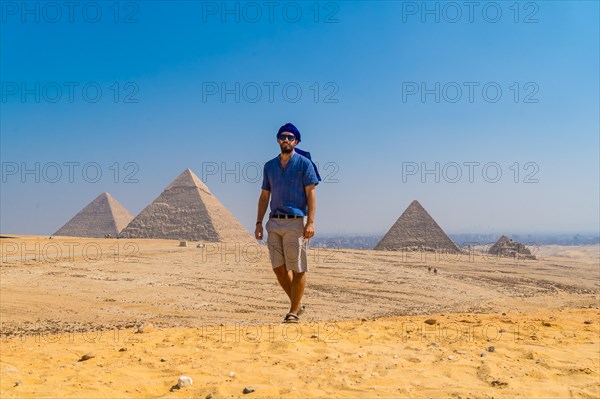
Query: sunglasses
{"points": [[288, 137]]}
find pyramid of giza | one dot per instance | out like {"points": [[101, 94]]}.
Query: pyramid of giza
{"points": [[507, 247], [415, 230], [187, 210], [104, 215]]}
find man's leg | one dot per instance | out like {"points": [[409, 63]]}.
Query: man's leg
{"points": [[276, 253], [285, 279], [297, 291], [295, 248]]}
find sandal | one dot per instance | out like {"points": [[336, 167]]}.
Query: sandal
{"points": [[291, 318]]}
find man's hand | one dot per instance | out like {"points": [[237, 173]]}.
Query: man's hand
{"points": [[263, 202], [309, 230], [258, 232]]}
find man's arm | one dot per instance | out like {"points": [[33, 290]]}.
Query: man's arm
{"points": [[311, 200], [263, 203]]}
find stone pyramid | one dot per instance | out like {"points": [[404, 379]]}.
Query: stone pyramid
{"points": [[104, 215], [415, 230], [507, 247], [187, 210]]}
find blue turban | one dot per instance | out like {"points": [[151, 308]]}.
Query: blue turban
{"points": [[289, 127]]}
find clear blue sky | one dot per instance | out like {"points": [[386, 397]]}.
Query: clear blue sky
{"points": [[365, 56]]}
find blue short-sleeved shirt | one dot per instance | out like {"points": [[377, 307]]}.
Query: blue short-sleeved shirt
{"points": [[287, 185]]}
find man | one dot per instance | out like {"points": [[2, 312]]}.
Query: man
{"points": [[289, 180]]}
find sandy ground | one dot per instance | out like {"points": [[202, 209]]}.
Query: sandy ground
{"points": [[218, 309]]}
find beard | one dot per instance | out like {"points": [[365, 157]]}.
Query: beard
{"points": [[286, 149]]}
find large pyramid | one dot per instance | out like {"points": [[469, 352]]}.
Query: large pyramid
{"points": [[507, 247], [415, 230], [104, 215], [187, 210]]}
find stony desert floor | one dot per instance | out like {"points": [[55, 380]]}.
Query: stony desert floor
{"points": [[378, 324]]}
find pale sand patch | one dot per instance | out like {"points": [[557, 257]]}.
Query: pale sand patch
{"points": [[101, 283]]}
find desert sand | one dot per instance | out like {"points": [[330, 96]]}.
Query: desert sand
{"points": [[208, 312]]}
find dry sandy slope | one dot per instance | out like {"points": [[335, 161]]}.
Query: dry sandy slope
{"points": [[108, 287], [107, 283]]}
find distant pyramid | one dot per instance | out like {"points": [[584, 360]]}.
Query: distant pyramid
{"points": [[104, 215], [507, 247], [187, 210], [415, 230]]}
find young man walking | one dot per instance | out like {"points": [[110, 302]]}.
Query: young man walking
{"points": [[289, 180]]}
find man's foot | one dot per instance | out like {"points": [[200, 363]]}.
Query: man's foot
{"points": [[301, 310], [291, 318]]}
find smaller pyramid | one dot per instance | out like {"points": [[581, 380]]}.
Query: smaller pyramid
{"points": [[507, 247], [103, 216], [415, 230], [187, 210]]}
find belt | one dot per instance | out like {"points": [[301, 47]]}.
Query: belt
{"points": [[287, 217]]}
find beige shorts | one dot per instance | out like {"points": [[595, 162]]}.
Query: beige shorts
{"points": [[287, 245]]}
